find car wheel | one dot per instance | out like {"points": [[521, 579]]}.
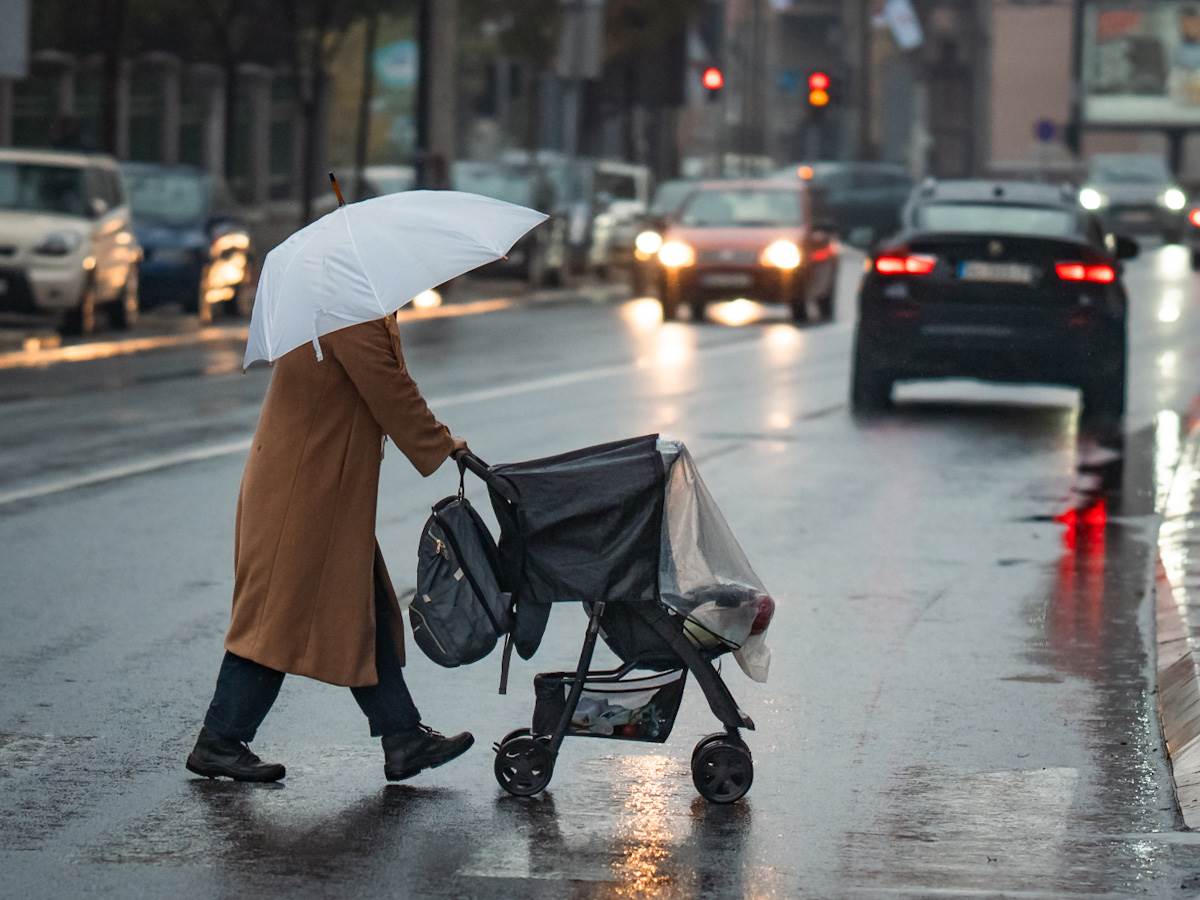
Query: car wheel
{"points": [[535, 266], [123, 313], [871, 387], [825, 306], [1103, 389], [1196, 260], [669, 301], [82, 319]]}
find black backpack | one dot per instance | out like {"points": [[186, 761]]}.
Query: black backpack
{"points": [[459, 610]]}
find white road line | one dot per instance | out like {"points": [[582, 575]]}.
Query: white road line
{"points": [[230, 448]]}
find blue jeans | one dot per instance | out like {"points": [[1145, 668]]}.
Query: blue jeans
{"points": [[246, 690]]}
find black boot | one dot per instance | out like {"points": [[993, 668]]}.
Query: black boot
{"points": [[420, 748], [215, 756]]}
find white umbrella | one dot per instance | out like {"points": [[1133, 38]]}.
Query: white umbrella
{"points": [[366, 260]]}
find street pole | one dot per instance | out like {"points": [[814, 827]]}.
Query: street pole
{"points": [[862, 84], [437, 24], [1074, 135]]}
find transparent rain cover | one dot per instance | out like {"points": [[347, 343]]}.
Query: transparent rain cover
{"points": [[704, 574]]}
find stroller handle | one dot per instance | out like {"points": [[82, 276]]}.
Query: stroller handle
{"points": [[468, 461]]}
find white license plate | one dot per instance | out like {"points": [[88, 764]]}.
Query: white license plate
{"points": [[726, 279], [1008, 273]]}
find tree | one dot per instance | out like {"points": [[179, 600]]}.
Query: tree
{"points": [[233, 28], [314, 30]]}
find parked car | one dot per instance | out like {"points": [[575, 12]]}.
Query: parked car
{"points": [[635, 242], [755, 239], [621, 197], [1135, 193], [198, 250], [541, 255], [863, 199], [1007, 281], [67, 246]]}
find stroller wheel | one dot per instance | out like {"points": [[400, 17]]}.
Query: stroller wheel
{"points": [[714, 738], [722, 770], [523, 765]]}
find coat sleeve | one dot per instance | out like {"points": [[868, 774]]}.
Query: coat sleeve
{"points": [[370, 353]]}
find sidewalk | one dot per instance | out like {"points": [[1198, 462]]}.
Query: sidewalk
{"points": [[1177, 615]]}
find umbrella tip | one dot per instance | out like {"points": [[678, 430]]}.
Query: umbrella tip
{"points": [[337, 189]]}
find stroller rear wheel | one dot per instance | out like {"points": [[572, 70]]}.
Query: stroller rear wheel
{"points": [[524, 765], [722, 768]]}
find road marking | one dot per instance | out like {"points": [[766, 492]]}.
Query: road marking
{"points": [[241, 445]]}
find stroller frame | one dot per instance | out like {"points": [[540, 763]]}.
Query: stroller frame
{"points": [[722, 766]]}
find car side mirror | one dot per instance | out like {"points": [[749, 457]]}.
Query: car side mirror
{"points": [[98, 207], [1126, 247]]}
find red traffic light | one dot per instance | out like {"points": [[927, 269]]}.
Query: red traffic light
{"points": [[713, 78], [818, 81]]}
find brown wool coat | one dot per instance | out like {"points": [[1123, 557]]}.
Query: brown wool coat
{"points": [[305, 551]]}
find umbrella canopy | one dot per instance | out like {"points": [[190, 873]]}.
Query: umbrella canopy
{"points": [[366, 260]]}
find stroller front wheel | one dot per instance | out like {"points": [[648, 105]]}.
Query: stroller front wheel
{"points": [[722, 769], [524, 765]]}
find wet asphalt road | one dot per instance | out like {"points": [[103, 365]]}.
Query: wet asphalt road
{"points": [[960, 701]]}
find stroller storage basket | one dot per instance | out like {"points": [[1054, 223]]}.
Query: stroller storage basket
{"points": [[612, 705]]}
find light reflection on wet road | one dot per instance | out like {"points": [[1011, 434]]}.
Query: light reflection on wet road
{"points": [[960, 695]]}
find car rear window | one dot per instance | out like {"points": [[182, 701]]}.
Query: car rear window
{"points": [[987, 218], [742, 208], [43, 188]]}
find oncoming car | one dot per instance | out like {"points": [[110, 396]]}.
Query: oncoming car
{"points": [[67, 248], [1007, 281], [753, 239], [1135, 193]]}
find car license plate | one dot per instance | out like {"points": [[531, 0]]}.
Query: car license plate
{"points": [[1136, 215], [726, 279], [1007, 273]]}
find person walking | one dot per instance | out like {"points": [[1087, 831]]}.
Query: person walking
{"points": [[311, 592]]}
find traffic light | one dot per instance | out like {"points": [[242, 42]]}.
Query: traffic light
{"points": [[713, 80], [819, 85]]}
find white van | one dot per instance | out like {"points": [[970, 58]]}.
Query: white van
{"points": [[67, 246]]}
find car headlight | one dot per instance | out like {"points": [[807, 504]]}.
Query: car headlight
{"points": [[781, 254], [58, 243], [1090, 198], [647, 244], [676, 255], [1173, 199]]}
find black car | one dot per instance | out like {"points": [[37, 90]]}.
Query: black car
{"points": [[198, 251], [1006, 281], [1136, 194], [863, 199]]}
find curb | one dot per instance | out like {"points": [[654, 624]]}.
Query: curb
{"points": [[1177, 620], [24, 351]]}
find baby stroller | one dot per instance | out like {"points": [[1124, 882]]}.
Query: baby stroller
{"points": [[628, 530]]}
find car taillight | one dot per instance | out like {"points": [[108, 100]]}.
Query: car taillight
{"points": [[1194, 217], [910, 264], [1094, 273]]}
